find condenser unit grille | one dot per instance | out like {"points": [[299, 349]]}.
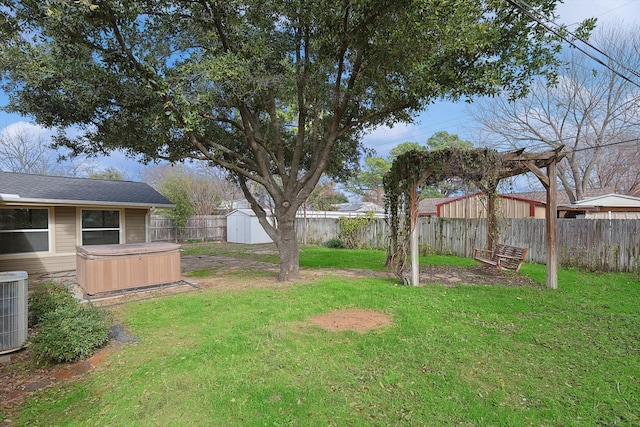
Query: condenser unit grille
{"points": [[13, 310]]}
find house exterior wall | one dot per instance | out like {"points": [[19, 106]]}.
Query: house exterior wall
{"points": [[62, 239], [64, 227], [136, 225], [513, 208], [540, 212], [475, 207], [612, 215], [467, 207], [65, 230]]}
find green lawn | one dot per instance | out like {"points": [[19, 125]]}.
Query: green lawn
{"points": [[464, 355]]}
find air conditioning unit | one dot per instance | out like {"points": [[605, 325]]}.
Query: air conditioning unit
{"points": [[14, 320]]}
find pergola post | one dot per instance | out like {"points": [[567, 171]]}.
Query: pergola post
{"points": [[492, 218], [552, 226], [549, 181], [415, 263]]}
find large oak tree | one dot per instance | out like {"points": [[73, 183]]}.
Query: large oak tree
{"points": [[277, 92]]}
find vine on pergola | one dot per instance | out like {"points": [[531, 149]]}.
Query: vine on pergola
{"points": [[414, 169]]}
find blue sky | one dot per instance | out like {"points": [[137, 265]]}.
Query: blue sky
{"points": [[441, 116], [454, 117]]}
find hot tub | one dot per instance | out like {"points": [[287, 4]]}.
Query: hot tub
{"points": [[106, 268]]}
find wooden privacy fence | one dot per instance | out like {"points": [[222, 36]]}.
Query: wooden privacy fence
{"points": [[607, 245], [319, 230], [201, 227], [598, 244]]}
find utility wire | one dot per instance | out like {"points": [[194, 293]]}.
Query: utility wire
{"points": [[586, 42], [522, 8], [576, 150], [605, 145]]}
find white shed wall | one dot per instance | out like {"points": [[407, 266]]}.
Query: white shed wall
{"points": [[243, 227]]}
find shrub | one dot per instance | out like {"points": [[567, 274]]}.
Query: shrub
{"points": [[47, 298], [334, 243], [352, 230], [71, 332]]}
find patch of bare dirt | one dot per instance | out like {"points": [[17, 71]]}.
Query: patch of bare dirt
{"points": [[224, 264], [429, 275], [477, 275], [358, 320]]}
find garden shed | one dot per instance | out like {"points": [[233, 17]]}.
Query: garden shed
{"points": [[243, 227]]}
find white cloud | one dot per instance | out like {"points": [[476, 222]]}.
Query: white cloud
{"points": [[384, 138], [23, 127]]}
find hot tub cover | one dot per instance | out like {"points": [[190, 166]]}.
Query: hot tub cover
{"points": [[93, 251]]}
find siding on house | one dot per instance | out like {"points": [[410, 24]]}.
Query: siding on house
{"points": [[44, 263], [62, 251], [135, 221], [474, 206], [65, 230]]}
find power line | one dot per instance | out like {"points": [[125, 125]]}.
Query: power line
{"points": [[519, 5], [605, 145], [614, 60]]}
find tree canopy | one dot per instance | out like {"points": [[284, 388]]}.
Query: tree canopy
{"points": [[276, 92], [109, 173], [368, 181], [325, 197]]}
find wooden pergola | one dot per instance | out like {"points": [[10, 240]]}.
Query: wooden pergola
{"points": [[512, 164]]}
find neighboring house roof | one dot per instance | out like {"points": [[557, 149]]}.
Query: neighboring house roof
{"points": [[429, 207], [360, 207], [610, 200], [612, 206], [562, 198], [41, 189]]}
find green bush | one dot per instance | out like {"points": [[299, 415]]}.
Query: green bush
{"points": [[352, 230], [71, 332], [47, 298], [334, 243]]}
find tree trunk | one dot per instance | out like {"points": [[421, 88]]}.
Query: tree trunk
{"points": [[287, 244]]}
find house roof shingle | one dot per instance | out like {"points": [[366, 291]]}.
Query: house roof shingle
{"points": [[429, 206], [18, 187]]}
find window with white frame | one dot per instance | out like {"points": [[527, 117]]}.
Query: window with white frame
{"points": [[100, 227], [24, 230]]}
